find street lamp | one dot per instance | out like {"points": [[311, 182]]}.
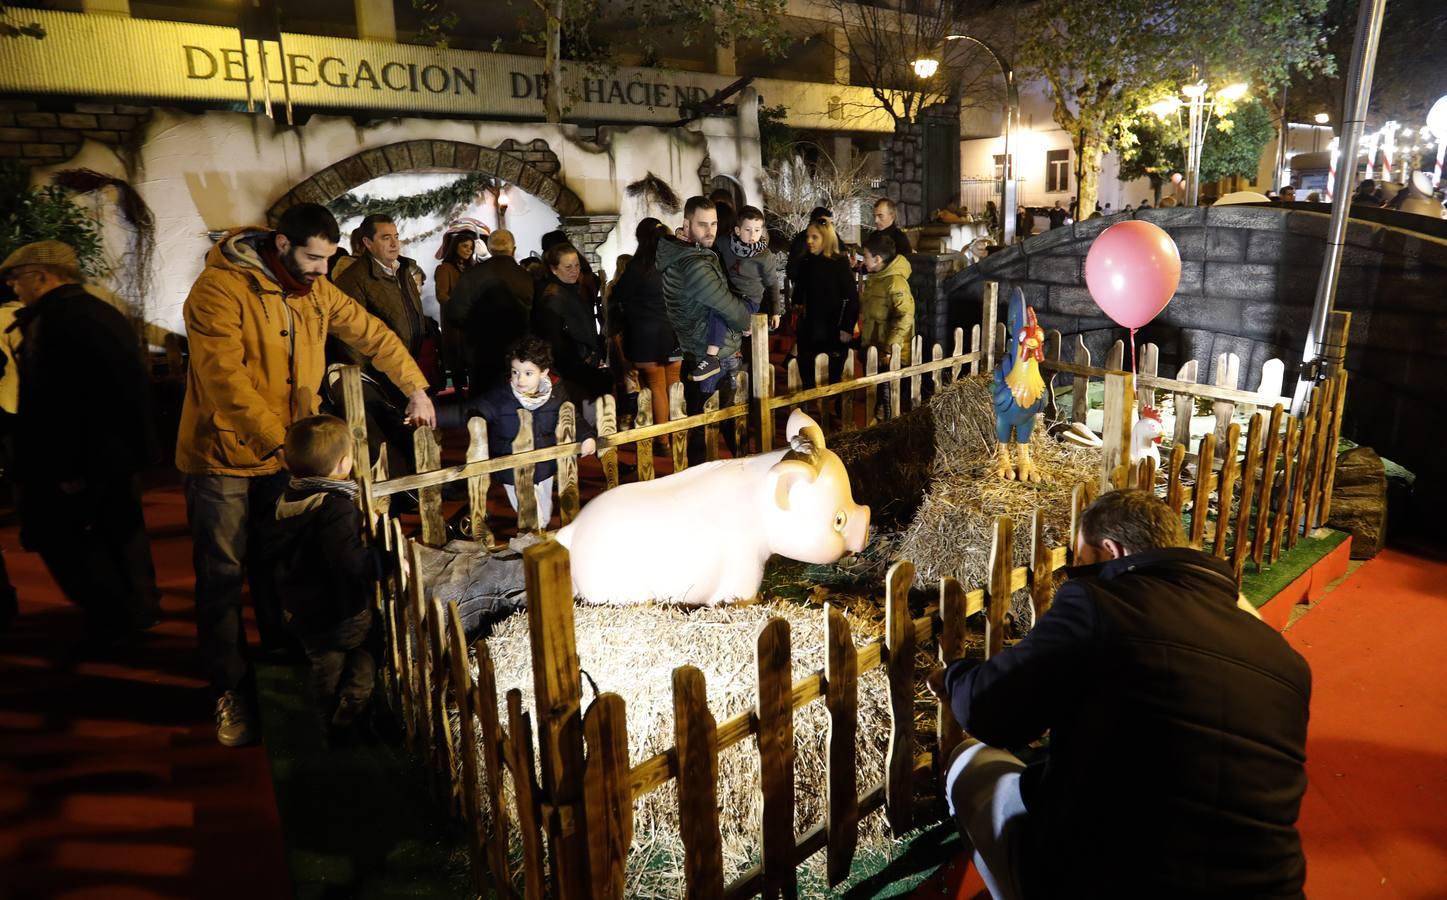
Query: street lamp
{"points": [[1012, 121], [926, 68], [1200, 104]]}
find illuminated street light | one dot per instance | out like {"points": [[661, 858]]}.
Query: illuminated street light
{"points": [[1165, 108], [1321, 118], [1233, 92], [1200, 104], [926, 68]]}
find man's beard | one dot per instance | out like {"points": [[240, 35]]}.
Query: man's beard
{"points": [[288, 260]]}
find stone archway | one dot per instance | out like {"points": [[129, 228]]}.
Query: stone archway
{"points": [[534, 167]]}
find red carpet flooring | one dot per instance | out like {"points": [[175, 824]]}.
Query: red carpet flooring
{"points": [[1374, 820], [1375, 816], [112, 785]]}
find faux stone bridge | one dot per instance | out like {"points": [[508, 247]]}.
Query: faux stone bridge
{"points": [[1248, 281]]}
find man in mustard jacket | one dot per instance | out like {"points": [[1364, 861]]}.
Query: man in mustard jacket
{"points": [[257, 320]]}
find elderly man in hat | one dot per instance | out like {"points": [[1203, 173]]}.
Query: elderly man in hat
{"points": [[83, 437]]}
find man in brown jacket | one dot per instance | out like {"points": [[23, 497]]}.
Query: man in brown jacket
{"points": [[388, 285], [257, 320]]}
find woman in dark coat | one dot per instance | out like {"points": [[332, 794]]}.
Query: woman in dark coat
{"points": [[648, 339], [564, 318], [457, 254], [825, 288]]}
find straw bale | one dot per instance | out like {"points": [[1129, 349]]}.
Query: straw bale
{"points": [[632, 651], [951, 532]]}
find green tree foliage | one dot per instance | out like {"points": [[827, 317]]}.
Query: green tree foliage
{"points": [[438, 20], [1105, 62], [29, 214], [1233, 145]]}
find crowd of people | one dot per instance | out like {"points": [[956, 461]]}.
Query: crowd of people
{"points": [[275, 314], [1172, 716]]}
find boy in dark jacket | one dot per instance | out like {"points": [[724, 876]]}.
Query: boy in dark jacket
{"points": [[529, 387], [325, 572]]}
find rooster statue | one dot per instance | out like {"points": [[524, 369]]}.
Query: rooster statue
{"points": [[1019, 390], [1146, 436]]}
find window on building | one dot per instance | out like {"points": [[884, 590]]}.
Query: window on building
{"points": [[1057, 171], [1000, 166]]}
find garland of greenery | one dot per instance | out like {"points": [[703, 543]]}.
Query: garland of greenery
{"points": [[444, 201]]}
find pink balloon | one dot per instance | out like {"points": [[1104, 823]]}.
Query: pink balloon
{"points": [[1132, 271]]}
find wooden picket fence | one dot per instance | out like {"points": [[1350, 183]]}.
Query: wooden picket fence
{"points": [[753, 418], [1265, 493], [573, 783]]}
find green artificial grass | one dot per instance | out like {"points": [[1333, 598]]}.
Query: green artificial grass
{"points": [[1259, 587], [359, 821]]}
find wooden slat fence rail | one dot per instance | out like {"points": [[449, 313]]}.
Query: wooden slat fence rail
{"points": [[1242, 497], [754, 414], [571, 807], [573, 785]]}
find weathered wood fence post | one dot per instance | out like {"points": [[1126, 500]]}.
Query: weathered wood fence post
{"points": [[557, 685], [761, 418]]}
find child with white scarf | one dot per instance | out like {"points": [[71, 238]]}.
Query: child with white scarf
{"points": [[530, 387]]}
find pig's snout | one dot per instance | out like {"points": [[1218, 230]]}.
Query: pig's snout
{"points": [[856, 533]]}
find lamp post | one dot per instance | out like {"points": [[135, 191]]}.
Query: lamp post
{"points": [[1200, 105], [926, 68]]}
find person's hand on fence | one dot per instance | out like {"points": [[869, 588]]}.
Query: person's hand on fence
{"points": [[589, 447], [420, 410], [774, 321], [935, 681]]}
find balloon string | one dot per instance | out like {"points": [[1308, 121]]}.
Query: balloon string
{"points": [[1132, 353]]}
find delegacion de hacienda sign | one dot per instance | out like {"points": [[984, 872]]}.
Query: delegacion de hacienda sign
{"points": [[149, 60], [111, 56], [364, 74]]}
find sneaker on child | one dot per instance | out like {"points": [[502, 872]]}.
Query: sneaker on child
{"points": [[707, 367], [234, 725]]}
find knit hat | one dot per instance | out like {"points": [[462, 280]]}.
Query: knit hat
{"points": [[41, 253]]}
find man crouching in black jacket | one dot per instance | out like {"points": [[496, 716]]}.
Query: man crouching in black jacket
{"points": [[1177, 730], [325, 573]]}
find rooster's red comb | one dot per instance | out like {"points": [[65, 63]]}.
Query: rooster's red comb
{"points": [[1150, 412]]}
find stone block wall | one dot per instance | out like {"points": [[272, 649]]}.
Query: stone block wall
{"points": [[587, 233], [903, 171], [1248, 283], [40, 137]]}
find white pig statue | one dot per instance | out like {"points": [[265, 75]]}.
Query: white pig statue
{"points": [[701, 537]]}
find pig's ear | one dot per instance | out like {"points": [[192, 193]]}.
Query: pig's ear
{"points": [[801, 424], [785, 475]]}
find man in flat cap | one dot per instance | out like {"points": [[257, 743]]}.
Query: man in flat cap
{"points": [[83, 436]]}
